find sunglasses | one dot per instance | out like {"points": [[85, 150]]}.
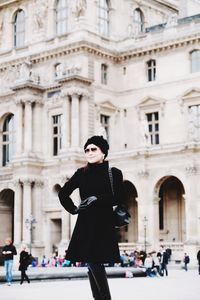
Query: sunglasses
{"points": [[90, 150]]}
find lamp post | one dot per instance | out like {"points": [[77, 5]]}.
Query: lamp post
{"points": [[145, 221], [29, 225]]}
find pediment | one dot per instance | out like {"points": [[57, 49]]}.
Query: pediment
{"points": [[150, 101], [107, 105], [191, 93]]}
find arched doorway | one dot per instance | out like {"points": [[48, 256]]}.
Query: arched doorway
{"points": [[171, 210], [129, 234], [6, 216]]}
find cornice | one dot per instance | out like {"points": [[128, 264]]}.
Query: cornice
{"points": [[28, 85], [75, 78], [107, 54]]}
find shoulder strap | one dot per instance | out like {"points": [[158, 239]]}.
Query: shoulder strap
{"points": [[111, 180]]}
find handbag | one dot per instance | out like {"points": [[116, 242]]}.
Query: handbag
{"points": [[121, 215]]}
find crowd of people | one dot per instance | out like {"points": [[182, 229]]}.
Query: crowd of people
{"points": [[154, 263]]}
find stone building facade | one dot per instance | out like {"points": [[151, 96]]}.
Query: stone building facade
{"points": [[126, 69]]}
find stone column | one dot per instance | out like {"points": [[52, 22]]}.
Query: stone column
{"points": [[191, 206], [84, 119], [37, 127], [65, 227], [66, 122], [155, 223], [28, 127], [121, 122], [145, 208], [18, 213], [38, 212], [75, 132], [19, 127], [27, 209]]}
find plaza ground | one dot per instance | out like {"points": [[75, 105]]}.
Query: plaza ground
{"points": [[179, 285]]}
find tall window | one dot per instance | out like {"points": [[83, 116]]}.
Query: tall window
{"points": [[105, 123], [104, 17], [194, 111], [138, 21], [61, 17], [104, 74], [57, 134], [8, 139], [151, 70], [19, 29], [153, 124], [195, 61]]}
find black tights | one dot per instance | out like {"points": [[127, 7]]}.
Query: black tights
{"points": [[98, 281], [24, 276]]}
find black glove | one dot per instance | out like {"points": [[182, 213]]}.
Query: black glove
{"points": [[86, 203]]}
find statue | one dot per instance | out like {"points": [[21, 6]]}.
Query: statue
{"points": [[40, 13], [172, 20], [25, 70], [192, 125], [79, 7], [144, 130]]}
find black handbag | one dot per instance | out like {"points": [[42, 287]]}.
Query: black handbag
{"points": [[121, 215]]}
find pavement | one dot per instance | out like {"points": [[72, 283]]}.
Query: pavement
{"points": [[179, 285]]}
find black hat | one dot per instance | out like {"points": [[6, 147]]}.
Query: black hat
{"points": [[100, 142]]}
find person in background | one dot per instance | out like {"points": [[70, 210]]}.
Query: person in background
{"points": [[8, 252], [94, 239], [186, 261], [148, 264], [163, 258], [198, 258], [24, 262]]}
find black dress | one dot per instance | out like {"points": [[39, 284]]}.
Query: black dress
{"points": [[94, 237]]}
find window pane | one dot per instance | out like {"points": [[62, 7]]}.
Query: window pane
{"points": [[19, 29], [195, 61]]}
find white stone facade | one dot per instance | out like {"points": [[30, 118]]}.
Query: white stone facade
{"points": [[137, 81]]}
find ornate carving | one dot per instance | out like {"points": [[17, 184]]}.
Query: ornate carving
{"points": [[143, 173], [40, 14], [38, 183], [193, 126], [172, 20], [191, 169], [75, 91], [144, 130], [79, 7]]}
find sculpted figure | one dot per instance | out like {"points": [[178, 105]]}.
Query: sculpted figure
{"points": [[144, 129], [192, 126], [79, 7], [40, 14]]}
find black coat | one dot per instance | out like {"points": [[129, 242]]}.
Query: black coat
{"points": [[94, 236], [24, 260]]}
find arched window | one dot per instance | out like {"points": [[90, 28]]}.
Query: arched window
{"points": [[61, 17], [19, 29], [8, 139], [104, 17], [151, 70], [195, 61], [138, 20]]}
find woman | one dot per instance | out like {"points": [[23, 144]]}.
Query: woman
{"points": [[24, 261], [94, 237]]}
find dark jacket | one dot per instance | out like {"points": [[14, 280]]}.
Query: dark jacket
{"points": [[24, 260], [9, 248], [94, 236]]}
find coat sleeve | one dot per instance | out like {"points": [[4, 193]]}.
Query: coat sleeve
{"points": [[119, 191], [66, 191]]}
